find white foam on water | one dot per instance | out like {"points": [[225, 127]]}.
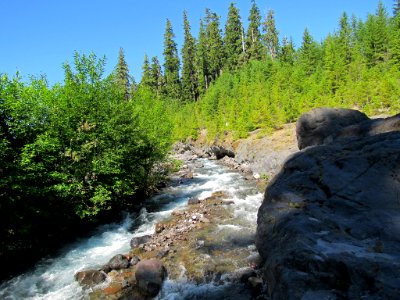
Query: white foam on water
{"points": [[54, 278]]}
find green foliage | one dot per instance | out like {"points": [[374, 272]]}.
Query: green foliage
{"points": [[189, 75], [356, 67], [271, 39], [215, 55], [75, 150], [254, 47], [122, 78], [234, 39]]}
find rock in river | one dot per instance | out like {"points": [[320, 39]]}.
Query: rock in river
{"points": [[150, 275], [90, 278]]}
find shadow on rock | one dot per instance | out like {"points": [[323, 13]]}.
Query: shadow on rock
{"points": [[329, 225]]}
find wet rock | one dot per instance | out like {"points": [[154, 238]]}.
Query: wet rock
{"points": [[193, 201], [137, 241], [219, 152], [321, 125], [90, 278], [150, 275], [330, 221], [134, 260], [187, 175], [159, 227], [118, 262]]}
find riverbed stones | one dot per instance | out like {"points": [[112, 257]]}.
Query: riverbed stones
{"points": [[330, 220], [89, 278], [150, 275]]}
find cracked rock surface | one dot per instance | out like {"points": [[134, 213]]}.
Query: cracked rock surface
{"points": [[329, 225]]}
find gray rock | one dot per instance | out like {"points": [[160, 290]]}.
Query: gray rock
{"points": [[220, 152], [136, 241], [118, 262], [193, 201], [321, 125], [90, 278], [330, 221], [326, 125], [134, 260], [150, 275]]}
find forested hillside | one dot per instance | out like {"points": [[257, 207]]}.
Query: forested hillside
{"points": [[239, 79]]}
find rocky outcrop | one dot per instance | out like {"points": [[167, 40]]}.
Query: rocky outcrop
{"points": [[329, 224], [321, 125], [327, 125]]}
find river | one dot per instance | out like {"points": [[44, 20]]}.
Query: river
{"points": [[53, 278]]}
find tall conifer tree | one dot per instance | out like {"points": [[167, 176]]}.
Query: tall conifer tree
{"points": [[286, 51], [215, 46], [254, 47], [233, 39], [122, 75], [171, 64], [271, 38], [146, 80], [189, 75], [202, 66], [157, 76], [396, 7], [308, 53]]}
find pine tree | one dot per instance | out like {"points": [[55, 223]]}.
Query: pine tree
{"points": [[345, 39], [309, 55], [271, 39], [157, 77], [233, 39], [122, 75], [171, 64], [215, 46], [147, 80], [396, 7], [189, 75], [254, 47], [202, 67], [376, 36], [286, 51]]}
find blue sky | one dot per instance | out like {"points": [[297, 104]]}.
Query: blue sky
{"points": [[37, 36]]}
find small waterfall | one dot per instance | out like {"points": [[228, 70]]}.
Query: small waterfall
{"points": [[54, 278]]}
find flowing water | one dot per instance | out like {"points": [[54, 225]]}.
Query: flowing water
{"points": [[54, 278]]}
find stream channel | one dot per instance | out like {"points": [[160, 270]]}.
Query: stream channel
{"points": [[53, 278]]}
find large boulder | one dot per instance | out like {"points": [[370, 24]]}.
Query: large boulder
{"points": [[90, 278], [150, 275], [321, 125], [329, 225]]}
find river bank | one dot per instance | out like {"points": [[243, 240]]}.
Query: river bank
{"points": [[193, 243]]}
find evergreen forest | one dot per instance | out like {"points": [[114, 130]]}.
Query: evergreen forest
{"points": [[95, 144]]}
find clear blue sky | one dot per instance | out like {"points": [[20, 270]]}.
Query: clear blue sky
{"points": [[37, 36]]}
